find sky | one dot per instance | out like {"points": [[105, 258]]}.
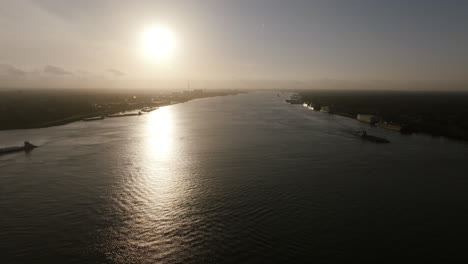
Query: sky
{"points": [[97, 43]]}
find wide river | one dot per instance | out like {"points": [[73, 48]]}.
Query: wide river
{"points": [[234, 179]]}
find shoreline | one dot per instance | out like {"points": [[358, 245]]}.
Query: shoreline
{"points": [[122, 108], [438, 115], [419, 132]]}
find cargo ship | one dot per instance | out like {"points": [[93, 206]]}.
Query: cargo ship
{"points": [[26, 147]]}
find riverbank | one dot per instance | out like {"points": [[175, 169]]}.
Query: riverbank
{"points": [[26, 109], [434, 113]]}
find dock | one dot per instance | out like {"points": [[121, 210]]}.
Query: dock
{"points": [[123, 115]]}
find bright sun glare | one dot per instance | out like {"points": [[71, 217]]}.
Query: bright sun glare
{"points": [[158, 43]]}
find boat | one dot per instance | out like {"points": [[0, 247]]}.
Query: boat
{"points": [[93, 118], [26, 147], [363, 134]]}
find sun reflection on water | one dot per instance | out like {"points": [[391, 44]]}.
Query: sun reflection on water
{"points": [[162, 176], [157, 157], [153, 200], [159, 133]]}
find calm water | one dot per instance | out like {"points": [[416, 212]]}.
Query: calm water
{"points": [[233, 179]]}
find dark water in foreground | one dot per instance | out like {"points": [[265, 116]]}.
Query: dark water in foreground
{"points": [[233, 179]]}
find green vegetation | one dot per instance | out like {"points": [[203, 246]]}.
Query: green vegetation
{"points": [[21, 109], [435, 113]]}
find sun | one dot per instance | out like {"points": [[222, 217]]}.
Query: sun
{"points": [[157, 43]]}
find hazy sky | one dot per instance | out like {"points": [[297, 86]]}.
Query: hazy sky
{"points": [[98, 42]]}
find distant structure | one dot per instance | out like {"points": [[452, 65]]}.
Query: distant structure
{"points": [[193, 92], [325, 109], [295, 99], [390, 126], [368, 118], [310, 106]]}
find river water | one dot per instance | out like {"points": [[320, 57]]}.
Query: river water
{"points": [[234, 179]]}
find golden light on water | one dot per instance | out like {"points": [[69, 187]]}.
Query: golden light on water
{"points": [[157, 158], [154, 188], [158, 43], [160, 128]]}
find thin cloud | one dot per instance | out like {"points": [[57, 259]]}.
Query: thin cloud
{"points": [[7, 69], [56, 70], [116, 72], [82, 72]]}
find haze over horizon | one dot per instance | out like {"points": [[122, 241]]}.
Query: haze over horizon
{"points": [[240, 44]]}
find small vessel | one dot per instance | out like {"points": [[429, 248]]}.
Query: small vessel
{"points": [[26, 147], [93, 118], [363, 134]]}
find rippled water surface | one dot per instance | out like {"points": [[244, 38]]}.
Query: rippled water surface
{"points": [[235, 179]]}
